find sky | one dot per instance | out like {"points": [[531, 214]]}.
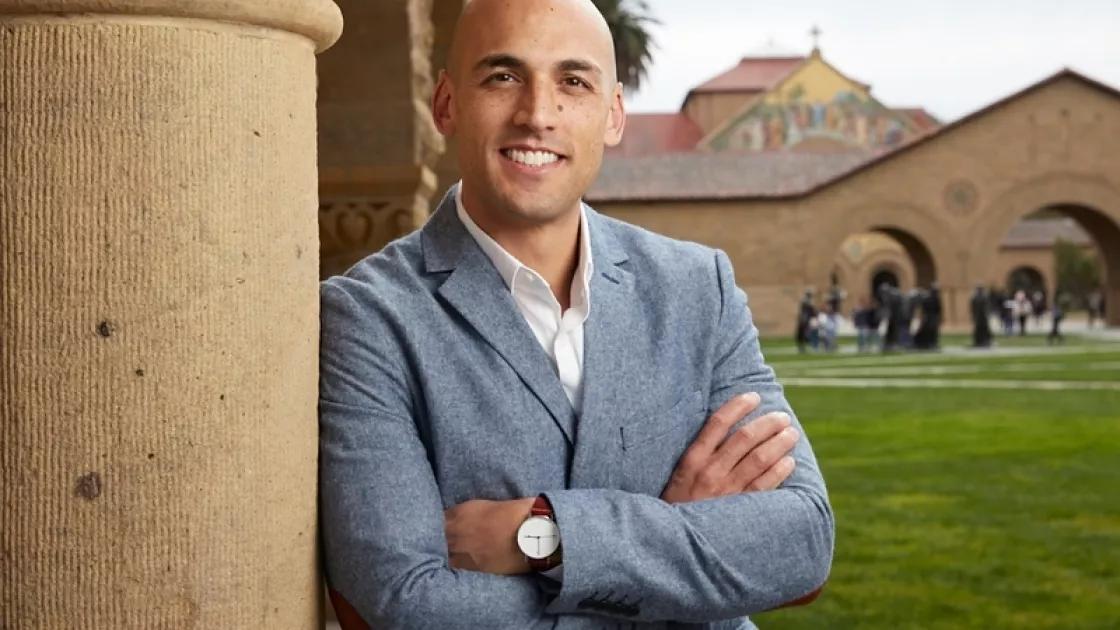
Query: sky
{"points": [[950, 56]]}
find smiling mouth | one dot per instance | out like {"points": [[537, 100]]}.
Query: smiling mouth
{"points": [[532, 159]]}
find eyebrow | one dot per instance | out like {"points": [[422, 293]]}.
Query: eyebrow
{"points": [[504, 60]]}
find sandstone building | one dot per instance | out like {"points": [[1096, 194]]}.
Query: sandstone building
{"points": [[758, 158]]}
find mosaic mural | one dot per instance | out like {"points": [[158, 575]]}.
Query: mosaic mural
{"points": [[847, 118]]}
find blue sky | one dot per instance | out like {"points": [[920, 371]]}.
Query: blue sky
{"points": [[949, 56]]}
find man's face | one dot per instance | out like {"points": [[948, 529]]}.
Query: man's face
{"points": [[532, 104]]}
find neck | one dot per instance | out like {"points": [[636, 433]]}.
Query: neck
{"points": [[549, 248]]}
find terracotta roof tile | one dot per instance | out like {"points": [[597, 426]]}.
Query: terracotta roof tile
{"points": [[922, 119], [1043, 233], [649, 134], [685, 176], [753, 74]]}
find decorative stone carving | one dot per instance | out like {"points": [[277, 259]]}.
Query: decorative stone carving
{"points": [[961, 196], [352, 228]]}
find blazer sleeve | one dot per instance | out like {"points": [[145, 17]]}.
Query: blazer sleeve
{"points": [[382, 516], [636, 556]]}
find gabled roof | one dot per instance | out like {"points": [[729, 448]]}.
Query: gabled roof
{"points": [[650, 134], [922, 119], [814, 56], [731, 176], [1063, 74], [752, 74], [712, 176]]}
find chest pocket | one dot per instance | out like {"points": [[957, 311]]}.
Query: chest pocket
{"points": [[653, 442]]}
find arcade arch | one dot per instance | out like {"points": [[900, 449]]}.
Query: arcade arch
{"points": [[1093, 205], [869, 259], [883, 241], [885, 275], [924, 250], [1027, 278]]}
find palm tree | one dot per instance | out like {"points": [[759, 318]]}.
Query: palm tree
{"points": [[629, 21]]}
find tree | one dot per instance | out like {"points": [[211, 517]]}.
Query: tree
{"points": [[629, 21], [1077, 271]]}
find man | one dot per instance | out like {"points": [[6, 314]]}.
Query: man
{"points": [[981, 318], [524, 404], [928, 336], [806, 313]]}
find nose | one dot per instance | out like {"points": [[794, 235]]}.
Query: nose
{"points": [[537, 108]]}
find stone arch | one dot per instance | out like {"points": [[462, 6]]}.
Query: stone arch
{"points": [[1028, 278], [896, 263], [1091, 201], [927, 240], [884, 274]]}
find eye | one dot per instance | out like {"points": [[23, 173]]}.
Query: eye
{"points": [[577, 83], [500, 77]]}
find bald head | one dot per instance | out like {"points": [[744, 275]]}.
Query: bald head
{"points": [[483, 19], [531, 95]]}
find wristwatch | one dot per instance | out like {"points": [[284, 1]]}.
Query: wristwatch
{"points": [[539, 537]]}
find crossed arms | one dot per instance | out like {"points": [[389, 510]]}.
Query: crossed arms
{"points": [[694, 561]]}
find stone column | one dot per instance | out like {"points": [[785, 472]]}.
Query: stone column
{"points": [[378, 143], [159, 313]]}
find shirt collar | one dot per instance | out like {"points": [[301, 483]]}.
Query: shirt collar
{"points": [[508, 266]]}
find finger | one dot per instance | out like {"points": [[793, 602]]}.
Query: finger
{"points": [[716, 428], [772, 479], [699, 454], [765, 456], [749, 438]]}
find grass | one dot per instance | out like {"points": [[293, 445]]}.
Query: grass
{"points": [[961, 509]]}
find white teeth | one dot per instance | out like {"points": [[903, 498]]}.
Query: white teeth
{"points": [[532, 158]]}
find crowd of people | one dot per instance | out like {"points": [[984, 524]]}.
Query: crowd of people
{"points": [[892, 308], [886, 321], [1019, 308]]}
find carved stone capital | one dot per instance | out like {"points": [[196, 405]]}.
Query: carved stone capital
{"points": [[363, 210], [318, 20]]}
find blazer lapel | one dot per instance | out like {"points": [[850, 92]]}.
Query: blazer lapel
{"points": [[608, 335], [476, 291]]}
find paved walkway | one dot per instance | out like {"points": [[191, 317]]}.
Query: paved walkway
{"points": [[849, 349], [938, 370], [938, 383], [1077, 324], [846, 367]]}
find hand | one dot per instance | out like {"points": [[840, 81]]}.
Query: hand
{"points": [[482, 535], [753, 458]]}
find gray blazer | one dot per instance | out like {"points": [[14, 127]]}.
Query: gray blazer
{"points": [[434, 391]]}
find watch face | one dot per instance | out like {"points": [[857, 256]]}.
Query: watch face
{"points": [[538, 537]]}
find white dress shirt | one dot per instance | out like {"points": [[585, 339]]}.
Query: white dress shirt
{"points": [[560, 334]]}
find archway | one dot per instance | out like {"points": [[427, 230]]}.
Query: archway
{"points": [[1027, 278], [1084, 224], [883, 276], [891, 256], [923, 244]]}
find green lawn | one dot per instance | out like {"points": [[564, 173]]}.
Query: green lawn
{"points": [[961, 509]]}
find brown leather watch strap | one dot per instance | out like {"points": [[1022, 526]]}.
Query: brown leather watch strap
{"points": [[541, 507]]}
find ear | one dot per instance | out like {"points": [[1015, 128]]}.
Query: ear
{"points": [[443, 107], [616, 118]]}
